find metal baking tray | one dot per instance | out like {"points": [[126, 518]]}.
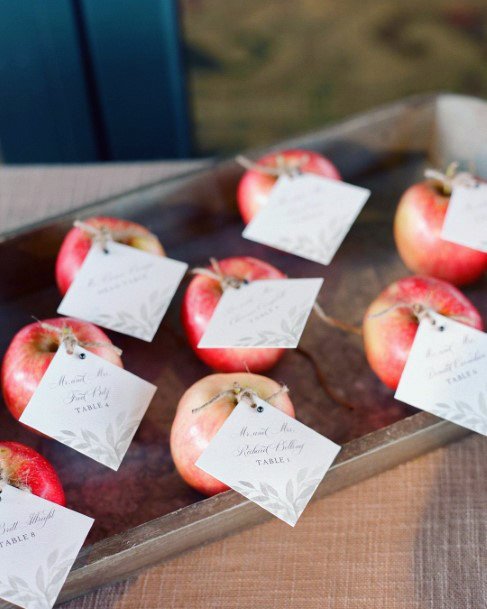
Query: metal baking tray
{"points": [[145, 513]]}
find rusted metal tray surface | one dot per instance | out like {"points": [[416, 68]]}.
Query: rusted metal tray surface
{"points": [[145, 512]]}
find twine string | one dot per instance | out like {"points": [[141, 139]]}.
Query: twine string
{"points": [[290, 167], [103, 235], [452, 178], [216, 273], [71, 341], [328, 390], [100, 235], [3, 480], [336, 323], [241, 393], [420, 311]]}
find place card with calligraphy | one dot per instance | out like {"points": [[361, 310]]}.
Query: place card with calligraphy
{"points": [[446, 372], [262, 313], [39, 542], [466, 218], [307, 215], [123, 289], [269, 457], [89, 404]]}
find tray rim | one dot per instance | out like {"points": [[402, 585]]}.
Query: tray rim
{"points": [[421, 99], [154, 540]]}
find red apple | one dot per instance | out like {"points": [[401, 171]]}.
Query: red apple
{"points": [[390, 323], [192, 431], [417, 228], [25, 468], [199, 303], [77, 244], [31, 351], [254, 187]]}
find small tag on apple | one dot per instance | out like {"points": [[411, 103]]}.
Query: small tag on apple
{"points": [[446, 372], [89, 404], [307, 215], [466, 218], [123, 289], [39, 542], [269, 457], [263, 313]]}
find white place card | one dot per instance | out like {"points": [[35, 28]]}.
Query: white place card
{"points": [[89, 404], [270, 458], [466, 218], [39, 542], [446, 373], [308, 216], [126, 289], [262, 313]]}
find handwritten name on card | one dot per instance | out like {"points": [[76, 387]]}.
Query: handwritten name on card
{"points": [[446, 373], [89, 404], [270, 458], [39, 542]]}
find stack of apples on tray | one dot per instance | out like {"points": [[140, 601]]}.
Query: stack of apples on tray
{"points": [[389, 324]]}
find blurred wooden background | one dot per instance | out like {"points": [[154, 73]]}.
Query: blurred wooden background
{"points": [[91, 80]]}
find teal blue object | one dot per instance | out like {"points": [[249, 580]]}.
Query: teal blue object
{"points": [[90, 80], [139, 77], [44, 111]]}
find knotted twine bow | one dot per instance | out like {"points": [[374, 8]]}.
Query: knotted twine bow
{"points": [[102, 235], [4, 480], [290, 167], [216, 273], [241, 393], [71, 341], [452, 178]]}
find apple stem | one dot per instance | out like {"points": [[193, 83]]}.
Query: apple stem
{"points": [[282, 389], [451, 178], [215, 398], [420, 312], [240, 393], [3, 480], [100, 235], [17, 483], [336, 323], [71, 341], [225, 281], [327, 389], [283, 166], [103, 235]]}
